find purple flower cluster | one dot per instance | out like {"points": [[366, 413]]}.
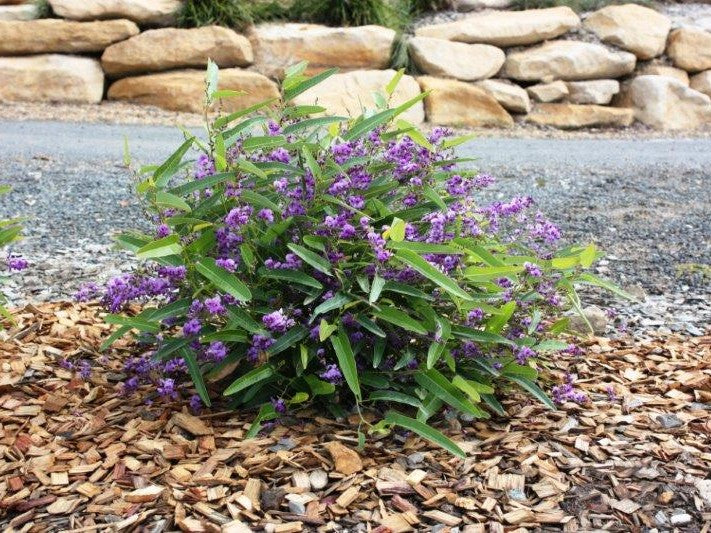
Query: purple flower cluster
{"points": [[16, 263], [567, 393], [278, 321]]}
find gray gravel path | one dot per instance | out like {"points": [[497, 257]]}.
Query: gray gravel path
{"points": [[645, 202]]}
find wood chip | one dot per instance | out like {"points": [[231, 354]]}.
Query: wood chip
{"points": [[346, 460], [146, 494]]}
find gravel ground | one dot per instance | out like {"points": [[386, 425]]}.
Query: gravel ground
{"points": [[644, 202]]}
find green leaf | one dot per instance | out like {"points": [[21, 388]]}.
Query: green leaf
{"points": [[494, 404], [164, 172], [432, 381], [211, 78], [194, 370], [325, 330], [456, 141], [292, 92], [534, 389], [392, 84], [466, 387], [400, 319], [226, 335], [258, 200], [220, 153], [346, 361], [394, 396], [371, 326], [481, 336], [294, 276], [376, 288], [266, 412], [312, 123], [396, 232], [319, 263], [250, 378], [166, 199], [334, 302], [434, 352], [592, 279], [369, 124], [319, 387], [141, 324], [223, 280], [498, 320], [222, 121], [402, 288], [289, 339], [169, 245], [423, 430], [425, 247], [264, 142], [431, 273], [120, 332]]}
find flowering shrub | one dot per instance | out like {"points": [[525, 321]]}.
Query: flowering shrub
{"points": [[342, 262], [9, 231]]}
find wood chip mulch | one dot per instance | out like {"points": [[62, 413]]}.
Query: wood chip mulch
{"points": [[78, 456]]}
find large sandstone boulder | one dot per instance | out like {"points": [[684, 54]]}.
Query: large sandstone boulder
{"points": [[455, 60], [666, 104], [456, 103], [506, 28], [53, 35], [170, 48], [148, 12], [573, 116], [592, 92], [19, 12], [659, 69], [690, 49], [567, 60], [350, 92], [511, 97], [548, 92], [51, 78], [184, 90], [702, 82], [640, 30], [476, 5], [277, 46]]}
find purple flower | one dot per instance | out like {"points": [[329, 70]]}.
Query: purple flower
{"points": [[87, 291], [238, 216], [277, 321], [214, 306], [84, 369], [332, 374], [279, 405], [162, 231], [192, 327], [567, 393], [532, 269], [217, 351], [17, 263], [259, 344], [523, 354], [166, 388], [204, 167], [195, 403], [266, 214], [475, 315], [227, 263]]}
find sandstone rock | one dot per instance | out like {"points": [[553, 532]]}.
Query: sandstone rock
{"points": [[658, 69], [593, 91], [702, 82], [667, 104], [548, 92], [20, 12], [53, 35], [506, 28], [51, 78], [568, 60], [150, 12], [690, 49], [455, 60], [476, 5], [170, 48], [640, 30], [456, 103], [277, 46], [348, 93], [511, 97], [183, 90], [572, 116]]}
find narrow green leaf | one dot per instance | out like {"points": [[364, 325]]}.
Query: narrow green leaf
{"points": [[400, 319], [426, 432], [431, 273], [293, 92], [169, 245], [346, 361], [164, 172], [141, 324], [250, 378], [222, 121], [392, 84], [194, 370], [394, 396], [288, 340], [120, 332], [264, 142], [432, 381], [223, 280], [266, 412], [295, 276], [318, 262], [376, 288], [166, 199], [534, 389]]}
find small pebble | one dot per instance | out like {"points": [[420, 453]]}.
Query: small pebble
{"points": [[297, 507], [668, 421], [318, 479], [680, 519]]}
